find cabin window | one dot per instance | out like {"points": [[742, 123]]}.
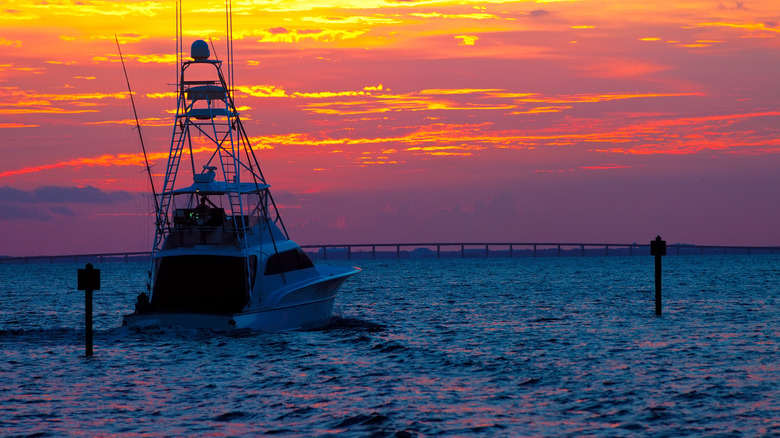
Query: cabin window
{"points": [[211, 217], [200, 284], [287, 261]]}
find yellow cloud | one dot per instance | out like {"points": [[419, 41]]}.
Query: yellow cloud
{"points": [[747, 26], [164, 95], [5, 42], [446, 91], [17, 15], [273, 91], [464, 16], [467, 40], [35, 70], [262, 90], [352, 19], [99, 8], [282, 34], [544, 109], [433, 100], [446, 150], [144, 59]]}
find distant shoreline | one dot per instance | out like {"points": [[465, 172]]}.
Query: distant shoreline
{"points": [[439, 250]]}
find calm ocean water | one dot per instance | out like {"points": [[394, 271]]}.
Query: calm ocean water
{"points": [[474, 347]]}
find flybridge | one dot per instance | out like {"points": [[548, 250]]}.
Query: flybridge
{"points": [[211, 96], [216, 187]]}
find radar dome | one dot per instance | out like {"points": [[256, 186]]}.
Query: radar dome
{"points": [[200, 50]]}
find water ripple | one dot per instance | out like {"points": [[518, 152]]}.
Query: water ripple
{"points": [[561, 347]]}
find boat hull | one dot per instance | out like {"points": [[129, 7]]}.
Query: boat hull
{"points": [[301, 315]]}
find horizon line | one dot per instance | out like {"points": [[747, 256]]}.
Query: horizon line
{"points": [[580, 245]]}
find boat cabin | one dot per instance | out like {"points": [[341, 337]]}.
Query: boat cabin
{"points": [[202, 284]]}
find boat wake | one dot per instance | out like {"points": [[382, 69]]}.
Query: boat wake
{"points": [[352, 324]]}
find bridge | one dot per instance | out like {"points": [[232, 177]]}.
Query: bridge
{"points": [[511, 250], [440, 250]]}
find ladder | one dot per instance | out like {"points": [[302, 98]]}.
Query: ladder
{"points": [[177, 146]]}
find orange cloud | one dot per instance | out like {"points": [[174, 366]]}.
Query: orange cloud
{"points": [[689, 135], [20, 95], [17, 125], [606, 167], [102, 160], [14, 100], [148, 121], [432, 100], [651, 134], [47, 110], [107, 160]]}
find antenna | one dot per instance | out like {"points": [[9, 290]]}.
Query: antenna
{"points": [[229, 35], [213, 49], [232, 54], [178, 42], [138, 127], [180, 31]]}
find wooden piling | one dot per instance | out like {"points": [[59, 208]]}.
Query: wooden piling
{"points": [[88, 281], [88, 321], [658, 249]]}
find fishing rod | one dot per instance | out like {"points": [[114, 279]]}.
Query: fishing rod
{"points": [[138, 127]]}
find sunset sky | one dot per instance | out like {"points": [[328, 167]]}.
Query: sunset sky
{"points": [[383, 121]]}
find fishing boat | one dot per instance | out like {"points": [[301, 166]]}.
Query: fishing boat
{"points": [[221, 257]]}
